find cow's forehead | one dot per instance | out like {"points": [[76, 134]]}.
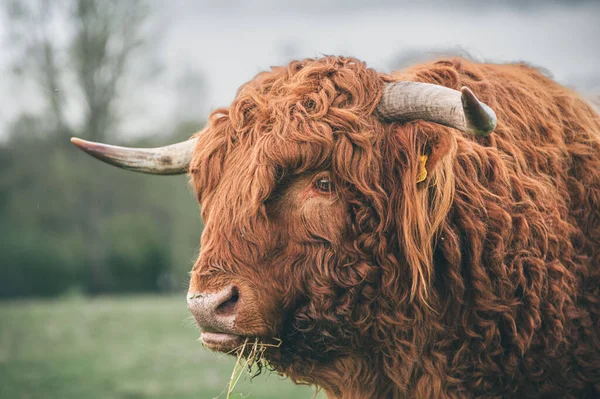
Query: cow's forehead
{"points": [[307, 90], [293, 118]]}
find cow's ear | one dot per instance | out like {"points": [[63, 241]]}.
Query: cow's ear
{"points": [[424, 151], [435, 145]]}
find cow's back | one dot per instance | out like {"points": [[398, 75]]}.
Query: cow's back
{"points": [[531, 258]]}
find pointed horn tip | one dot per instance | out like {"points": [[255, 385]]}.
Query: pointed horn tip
{"points": [[92, 148], [80, 143], [97, 150], [468, 95], [484, 118], [465, 89], [76, 140]]}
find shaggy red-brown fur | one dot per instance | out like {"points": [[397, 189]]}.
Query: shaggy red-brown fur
{"points": [[483, 281]]}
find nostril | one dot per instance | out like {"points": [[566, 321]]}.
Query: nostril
{"points": [[227, 307]]}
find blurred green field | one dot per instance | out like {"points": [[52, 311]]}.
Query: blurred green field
{"points": [[117, 347]]}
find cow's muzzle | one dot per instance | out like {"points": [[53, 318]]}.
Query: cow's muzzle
{"points": [[215, 313]]}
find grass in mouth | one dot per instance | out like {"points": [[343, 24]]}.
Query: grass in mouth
{"points": [[249, 354]]}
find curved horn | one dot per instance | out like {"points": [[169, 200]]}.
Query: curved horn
{"points": [[458, 109], [173, 159]]}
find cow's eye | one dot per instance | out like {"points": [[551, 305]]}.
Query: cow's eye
{"points": [[324, 185]]}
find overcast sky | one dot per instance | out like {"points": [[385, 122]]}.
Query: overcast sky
{"points": [[227, 42]]}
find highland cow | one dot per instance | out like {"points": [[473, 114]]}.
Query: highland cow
{"points": [[433, 233]]}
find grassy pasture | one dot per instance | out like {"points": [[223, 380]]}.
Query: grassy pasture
{"points": [[117, 347]]}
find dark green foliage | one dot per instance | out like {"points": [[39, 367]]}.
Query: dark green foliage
{"points": [[33, 266], [62, 212]]}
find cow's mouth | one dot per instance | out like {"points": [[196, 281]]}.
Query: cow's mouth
{"points": [[220, 341]]}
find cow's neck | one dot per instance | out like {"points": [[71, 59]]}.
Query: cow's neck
{"points": [[351, 378]]}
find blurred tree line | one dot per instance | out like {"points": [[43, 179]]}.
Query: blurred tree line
{"points": [[68, 222]]}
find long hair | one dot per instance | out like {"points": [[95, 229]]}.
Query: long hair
{"points": [[482, 280]]}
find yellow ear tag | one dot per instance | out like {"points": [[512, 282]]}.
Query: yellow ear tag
{"points": [[422, 170]]}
